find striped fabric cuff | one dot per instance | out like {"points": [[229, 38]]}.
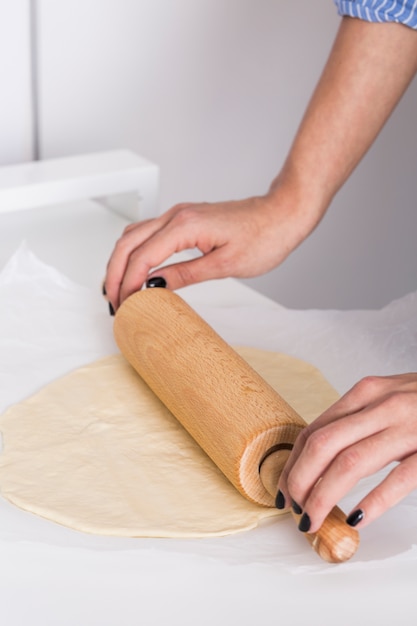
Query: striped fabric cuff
{"points": [[400, 11]]}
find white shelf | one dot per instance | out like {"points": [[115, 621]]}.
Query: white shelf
{"points": [[126, 182]]}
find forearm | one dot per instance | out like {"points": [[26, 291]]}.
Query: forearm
{"points": [[368, 70]]}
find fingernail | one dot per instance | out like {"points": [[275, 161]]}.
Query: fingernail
{"points": [[111, 310], [280, 500], [355, 517], [304, 524], [296, 507], [157, 281]]}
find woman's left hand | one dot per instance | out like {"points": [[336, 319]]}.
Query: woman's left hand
{"points": [[372, 425]]}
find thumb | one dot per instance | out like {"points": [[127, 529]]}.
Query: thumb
{"points": [[178, 275]]}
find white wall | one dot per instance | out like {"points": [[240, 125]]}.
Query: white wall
{"points": [[213, 90], [15, 82]]}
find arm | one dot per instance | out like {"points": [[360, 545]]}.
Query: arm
{"points": [[368, 70]]}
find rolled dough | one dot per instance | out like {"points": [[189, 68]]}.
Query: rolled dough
{"points": [[98, 452]]}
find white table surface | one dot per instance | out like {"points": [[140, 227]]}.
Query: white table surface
{"points": [[54, 576]]}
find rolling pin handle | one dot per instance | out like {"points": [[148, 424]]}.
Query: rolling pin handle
{"points": [[335, 541]]}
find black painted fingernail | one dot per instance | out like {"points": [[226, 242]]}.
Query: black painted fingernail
{"points": [[157, 281], [296, 507], [304, 524], [111, 310], [280, 500], [103, 289], [355, 517]]}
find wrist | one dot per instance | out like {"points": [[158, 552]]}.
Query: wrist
{"points": [[305, 199]]}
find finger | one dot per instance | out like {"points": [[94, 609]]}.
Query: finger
{"points": [[133, 237], [185, 231], [344, 472], [354, 401], [399, 483], [395, 442], [206, 267], [365, 392], [316, 447], [369, 390], [144, 246], [119, 259]]}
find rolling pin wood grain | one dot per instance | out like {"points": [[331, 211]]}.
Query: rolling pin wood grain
{"points": [[239, 420]]}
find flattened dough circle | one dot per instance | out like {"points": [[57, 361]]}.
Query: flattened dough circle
{"points": [[97, 451]]}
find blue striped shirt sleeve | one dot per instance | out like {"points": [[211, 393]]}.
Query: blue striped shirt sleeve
{"points": [[400, 11]]}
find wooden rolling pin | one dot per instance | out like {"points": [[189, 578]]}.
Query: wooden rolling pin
{"points": [[239, 420]]}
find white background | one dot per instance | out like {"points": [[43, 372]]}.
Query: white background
{"points": [[213, 91], [15, 81]]}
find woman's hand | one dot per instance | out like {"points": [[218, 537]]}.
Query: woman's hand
{"points": [[372, 425], [368, 70], [238, 238]]}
